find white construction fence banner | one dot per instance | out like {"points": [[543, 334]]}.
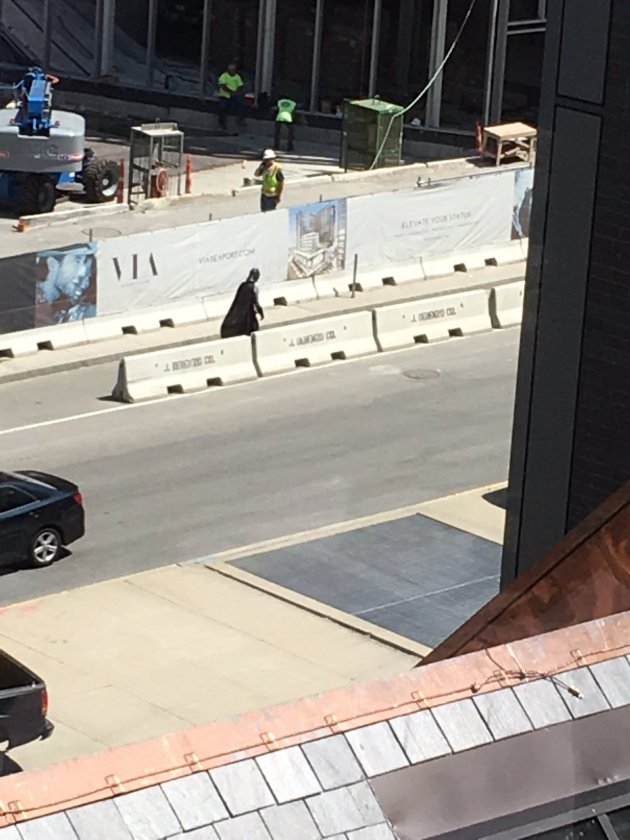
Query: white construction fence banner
{"points": [[157, 268], [444, 218], [147, 269], [228, 248]]}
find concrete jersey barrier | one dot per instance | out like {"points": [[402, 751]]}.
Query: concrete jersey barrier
{"points": [[182, 369], [506, 304], [314, 342], [56, 337], [431, 319]]}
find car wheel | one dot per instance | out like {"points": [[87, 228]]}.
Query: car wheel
{"points": [[46, 546]]}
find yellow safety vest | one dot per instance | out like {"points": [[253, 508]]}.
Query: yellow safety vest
{"points": [[231, 82], [270, 184], [286, 107]]}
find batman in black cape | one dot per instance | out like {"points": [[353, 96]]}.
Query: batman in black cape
{"points": [[243, 314]]}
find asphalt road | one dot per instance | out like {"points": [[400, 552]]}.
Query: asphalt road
{"points": [[191, 476]]}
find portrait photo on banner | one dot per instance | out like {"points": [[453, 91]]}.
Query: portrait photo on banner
{"points": [[317, 239], [65, 284], [522, 206]]}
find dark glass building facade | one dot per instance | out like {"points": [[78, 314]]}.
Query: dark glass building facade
{"points": [[315, 51], [571, 439]]}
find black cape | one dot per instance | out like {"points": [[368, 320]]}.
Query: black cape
{"points": [[241, 317]]}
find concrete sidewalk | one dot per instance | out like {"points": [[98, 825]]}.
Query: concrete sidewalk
{"points": [[158, 651], [54, 361], [220, 193]]}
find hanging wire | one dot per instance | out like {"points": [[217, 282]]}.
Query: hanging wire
{"points": [[428, 85]]}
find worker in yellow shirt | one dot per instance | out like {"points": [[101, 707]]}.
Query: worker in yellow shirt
{"points": [[230, 94], [284, 119], [272, 181]]}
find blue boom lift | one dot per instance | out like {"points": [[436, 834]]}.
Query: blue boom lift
{"points": [[42, 150]]}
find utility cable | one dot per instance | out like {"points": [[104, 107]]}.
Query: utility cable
{"points": [[428, 85]]}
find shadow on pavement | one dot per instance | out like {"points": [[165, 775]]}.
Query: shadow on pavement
{"points": [[498, 498], [14, 568], [8, 766]]}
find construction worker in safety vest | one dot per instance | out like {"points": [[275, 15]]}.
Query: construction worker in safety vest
{"points": [[272, 181], [286, 107], [230, 96]]}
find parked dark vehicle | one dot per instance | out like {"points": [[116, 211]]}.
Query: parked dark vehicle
{"points": [[39, 515], [23, 705]]}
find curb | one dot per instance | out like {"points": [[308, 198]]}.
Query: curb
{"points": [[311, 605], [77, 364]]}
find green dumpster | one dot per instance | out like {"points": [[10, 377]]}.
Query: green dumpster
{"points": [[369, 124]]}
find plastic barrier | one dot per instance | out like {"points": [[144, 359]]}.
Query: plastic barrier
{"points": [[144, 320], [430, 319], [506, 304], [286, 292], [333, 285], [216, 306], [44, 338], [408, 272], [183, 369], [438, 266], [314, 342], [508, 253]]}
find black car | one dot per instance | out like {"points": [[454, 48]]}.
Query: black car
{"points": [[39, 515]]}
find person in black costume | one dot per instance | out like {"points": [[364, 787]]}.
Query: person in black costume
{"points": [[243, 314]]}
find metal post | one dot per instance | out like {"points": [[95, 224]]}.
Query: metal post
{"points": [[98, 37], [205, 46], [269, 42], [438, 42], [355, 268], [151, 37], [317, 54], [376, 38], [47, 30], [260, 45], [492, 35], [109, 29], [498, 73]]}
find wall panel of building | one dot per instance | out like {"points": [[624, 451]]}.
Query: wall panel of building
{"points": [[571, 440]]}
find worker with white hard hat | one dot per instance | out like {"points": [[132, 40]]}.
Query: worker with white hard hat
{"points": [[272, 181]]}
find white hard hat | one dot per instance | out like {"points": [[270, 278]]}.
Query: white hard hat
{"points": [[269, 154]]}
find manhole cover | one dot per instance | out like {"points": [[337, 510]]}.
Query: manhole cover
{"points": [[101, 232], [422, 374]]}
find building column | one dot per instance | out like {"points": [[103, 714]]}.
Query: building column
{"points": [[374, 51], [266, 45], [496, 82], [205, 47], [405, 40], [105, 27], [317, 54], [47, 31], [151, 38], [438, 42], [98, 37], [492, 33]]}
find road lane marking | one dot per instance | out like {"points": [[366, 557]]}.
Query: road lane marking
{"points": [[174, 398]]}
